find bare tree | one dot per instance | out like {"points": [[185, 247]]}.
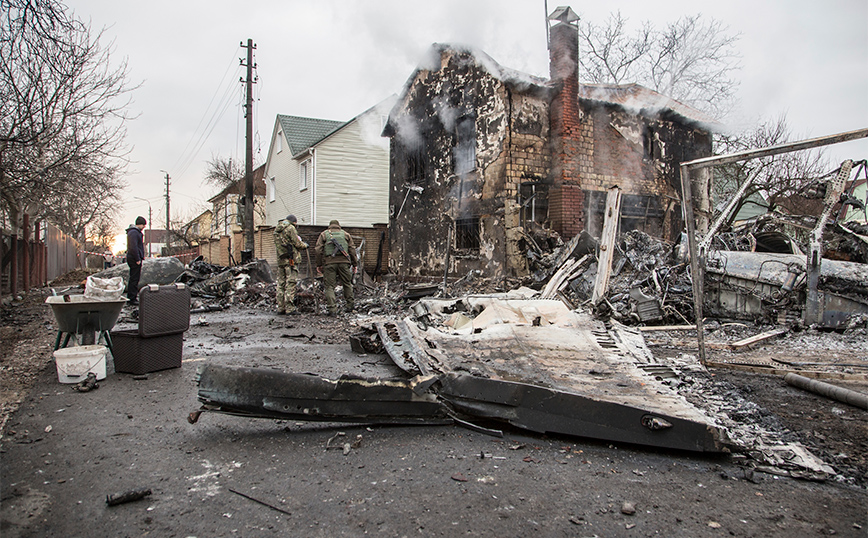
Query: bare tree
{"points": [[102, 231], [62, 116], [786, 176], [690, 60], [223, 172]]}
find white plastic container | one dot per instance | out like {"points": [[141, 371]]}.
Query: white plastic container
{"points": [[74, 363]]}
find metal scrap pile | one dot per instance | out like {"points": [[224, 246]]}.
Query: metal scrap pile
{"points": [[251, 283], [649, 283]]}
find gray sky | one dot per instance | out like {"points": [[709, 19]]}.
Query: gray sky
{"points": [[333, 59]]}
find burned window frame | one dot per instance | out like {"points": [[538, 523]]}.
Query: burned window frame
{"points": [[533, 199], [464, 150], [412, 159], [468, 234], [638, 212]]}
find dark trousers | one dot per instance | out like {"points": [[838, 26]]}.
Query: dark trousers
{"points": [[133, 284]]}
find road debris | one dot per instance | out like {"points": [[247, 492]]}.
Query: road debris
{"points": [[127, 496], [87, 384]]}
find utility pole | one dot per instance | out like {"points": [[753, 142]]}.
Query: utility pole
{"points": [[248, 158], [168, 220]]}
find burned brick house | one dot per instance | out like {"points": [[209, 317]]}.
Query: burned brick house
{"points": [[481, 153]]}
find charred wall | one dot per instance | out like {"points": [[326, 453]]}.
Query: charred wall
{"points": [[463, 143], [642, 155]]}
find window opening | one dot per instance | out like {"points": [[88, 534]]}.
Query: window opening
{"points": [[415, 165], [304, 175], [272, 189], [467, 233], [464, 152], [533, 197]]}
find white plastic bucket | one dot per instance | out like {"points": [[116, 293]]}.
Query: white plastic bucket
{"points": [[74, 363]]}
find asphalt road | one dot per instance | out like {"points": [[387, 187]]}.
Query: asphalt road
{"points": [[63, 452]]}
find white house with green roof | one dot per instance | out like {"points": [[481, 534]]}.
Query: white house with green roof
{"points": [[319, 170]]}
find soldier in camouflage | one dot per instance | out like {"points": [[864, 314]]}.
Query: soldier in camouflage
{"points": [[288, 245], [335, 252]]}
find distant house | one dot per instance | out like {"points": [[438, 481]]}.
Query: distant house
{"points": [[199, 228], [154, 240], [481, 152], [320, 170], [227, 206], [858, 189]]}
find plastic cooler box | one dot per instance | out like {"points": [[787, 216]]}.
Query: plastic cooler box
{"points": [[158, 343]]}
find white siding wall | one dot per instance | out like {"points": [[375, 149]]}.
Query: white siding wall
{"points": [[288, 199], [352, 175]]}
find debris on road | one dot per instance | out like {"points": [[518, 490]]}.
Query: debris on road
{"points": [[127, 496]]}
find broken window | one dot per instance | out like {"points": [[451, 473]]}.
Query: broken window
{"points": [[414, 164], [643, 213], [651, 144], [534, 201], [467, 233], [464, 152]]}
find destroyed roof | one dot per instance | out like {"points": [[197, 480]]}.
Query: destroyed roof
{"points": [[637, 98], [515, 80], [302, 133], [632, 97]]}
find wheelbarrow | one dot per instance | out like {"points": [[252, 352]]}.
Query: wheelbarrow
{"points": [[83, 318]]}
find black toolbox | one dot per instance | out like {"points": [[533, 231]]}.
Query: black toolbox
{"points": [[158, 343]]}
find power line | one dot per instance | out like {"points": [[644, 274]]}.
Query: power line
{"points": [[224, 105], [184, 158]]}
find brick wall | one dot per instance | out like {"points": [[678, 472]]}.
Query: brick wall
{"points": [[216, 251], [566, 211]]}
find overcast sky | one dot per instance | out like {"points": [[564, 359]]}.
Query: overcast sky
{"points": [[333, 59]]}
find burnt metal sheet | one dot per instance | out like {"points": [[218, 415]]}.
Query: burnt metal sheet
{"points": [[750, 283], [549, 410], [539, 366], [265, 393]]}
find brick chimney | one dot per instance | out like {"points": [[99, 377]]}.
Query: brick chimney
{"points": [[566, 200]]}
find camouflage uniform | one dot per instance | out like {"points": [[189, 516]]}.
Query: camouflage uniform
{"points": [[335, 265], [289, 246]]}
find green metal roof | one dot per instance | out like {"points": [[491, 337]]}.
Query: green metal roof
{"points": [[302, 133]]}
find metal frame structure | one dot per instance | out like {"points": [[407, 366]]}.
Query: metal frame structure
{"points": [[697, 254]]}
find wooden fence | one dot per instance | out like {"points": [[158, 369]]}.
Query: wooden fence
{"points": [[35, 258]]}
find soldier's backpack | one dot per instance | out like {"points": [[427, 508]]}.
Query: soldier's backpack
{"points": [[342, 246], [284, 249]]}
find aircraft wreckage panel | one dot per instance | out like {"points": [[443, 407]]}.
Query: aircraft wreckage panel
{"points": [[533, 364], [566, 374]]}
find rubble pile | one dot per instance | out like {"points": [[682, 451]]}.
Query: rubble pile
{"points": [[251, 284], [649, 281]]}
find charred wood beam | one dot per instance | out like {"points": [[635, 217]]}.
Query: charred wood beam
{"points": [[611, 219]]}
